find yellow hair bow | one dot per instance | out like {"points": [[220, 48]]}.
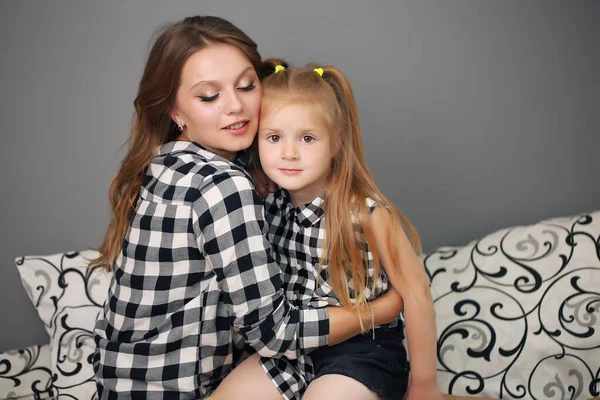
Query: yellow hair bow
{"points": [[279, 68], [319, 71]]}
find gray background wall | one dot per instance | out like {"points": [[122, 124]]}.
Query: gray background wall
{"points": [[476, 115]]}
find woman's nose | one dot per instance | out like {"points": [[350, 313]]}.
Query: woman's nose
{"points": [[233, 104]]}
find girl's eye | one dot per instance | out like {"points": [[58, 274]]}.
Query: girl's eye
{"points": [[274, 138], [208, 98], [307, 138], [248, 88]]}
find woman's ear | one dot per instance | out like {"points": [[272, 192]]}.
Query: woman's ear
{"points": [[174, 115]]}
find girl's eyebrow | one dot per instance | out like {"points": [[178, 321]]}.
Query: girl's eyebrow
{"points": [[216, 83]]}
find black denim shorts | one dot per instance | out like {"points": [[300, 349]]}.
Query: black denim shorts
{"points": [[381, 364]]}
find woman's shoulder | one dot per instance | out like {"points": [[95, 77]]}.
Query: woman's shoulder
{"points": [[189, 158], [187, 176]]}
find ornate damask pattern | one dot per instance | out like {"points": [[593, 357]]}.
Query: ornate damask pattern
{"points": [[25, 373], [518, 311], [68, 296]]}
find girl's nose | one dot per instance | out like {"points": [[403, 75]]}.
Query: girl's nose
{"points": [[289, 152]]}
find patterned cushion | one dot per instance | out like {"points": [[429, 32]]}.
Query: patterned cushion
{"points": [[68, 297], [517, 311], [25, 373]]}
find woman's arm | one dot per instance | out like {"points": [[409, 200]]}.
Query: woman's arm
{"points": [[419, 314], [229, 227]]}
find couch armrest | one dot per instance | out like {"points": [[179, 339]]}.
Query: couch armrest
{"points": [[26, 374]]}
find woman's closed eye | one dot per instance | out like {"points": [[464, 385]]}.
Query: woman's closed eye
{"points": [[209, 98], [247, 88]]}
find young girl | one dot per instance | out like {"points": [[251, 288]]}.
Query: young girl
{"points": [[341, 242], [193, 276]]}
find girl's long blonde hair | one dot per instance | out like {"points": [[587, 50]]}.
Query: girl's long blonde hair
{"points": [[153, 126], [350, 182]]}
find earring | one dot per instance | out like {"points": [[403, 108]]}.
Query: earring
{"points": [[180, 127]]}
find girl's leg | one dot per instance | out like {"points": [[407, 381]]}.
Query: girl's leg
{"points": [[247, 381], [338, 387]]}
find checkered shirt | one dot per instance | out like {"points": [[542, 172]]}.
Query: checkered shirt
{"points": [[297, 235], [195, 281]]}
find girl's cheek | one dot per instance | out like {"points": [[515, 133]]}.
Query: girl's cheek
{"points": [[269, 156]]}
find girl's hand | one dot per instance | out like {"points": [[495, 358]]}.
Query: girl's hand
{"points": [[387, 307], [263, 184], [344, 323], [423, 392]]}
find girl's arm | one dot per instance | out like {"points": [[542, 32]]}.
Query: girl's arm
{"points": [[344, 323], [419, 315]]}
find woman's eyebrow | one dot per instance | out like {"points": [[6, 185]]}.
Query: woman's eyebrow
{"points": [[241, 74], [216, 83]]}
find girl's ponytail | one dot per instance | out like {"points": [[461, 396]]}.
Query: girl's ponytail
{"points": [[270, 66]]}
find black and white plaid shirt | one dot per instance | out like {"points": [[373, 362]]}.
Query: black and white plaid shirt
{"points": [[297, 235], [195, 280]]}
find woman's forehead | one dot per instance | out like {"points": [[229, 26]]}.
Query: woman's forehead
{"points": [[215, 64]]}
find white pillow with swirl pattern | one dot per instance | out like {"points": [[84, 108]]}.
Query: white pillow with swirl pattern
{"points": [[68, 297], [518, 312]]}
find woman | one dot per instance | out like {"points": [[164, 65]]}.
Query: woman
{"points": [[194, 280]]}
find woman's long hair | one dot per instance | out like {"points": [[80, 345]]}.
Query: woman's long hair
{"points": [[152, 125], [350, 182]]}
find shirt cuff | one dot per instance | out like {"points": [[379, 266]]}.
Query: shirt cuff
{"points": [[314, 328]]}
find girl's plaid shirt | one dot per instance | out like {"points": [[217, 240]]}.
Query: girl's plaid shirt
{"points": [[297, 235]]}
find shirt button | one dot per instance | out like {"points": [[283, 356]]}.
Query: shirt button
{"points": [[296, 228]]}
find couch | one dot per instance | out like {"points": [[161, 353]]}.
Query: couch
{"points": [[517, 316]]}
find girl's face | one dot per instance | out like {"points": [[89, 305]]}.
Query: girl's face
{"points": [[218, 100], [295, 147]]}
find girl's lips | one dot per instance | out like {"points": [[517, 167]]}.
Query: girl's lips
{"points": [[290, 171]]}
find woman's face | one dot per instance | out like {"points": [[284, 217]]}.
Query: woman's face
{"points": [[218, 100]]}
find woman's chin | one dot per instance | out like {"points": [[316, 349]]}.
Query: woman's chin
{"points": [[240, 143]]}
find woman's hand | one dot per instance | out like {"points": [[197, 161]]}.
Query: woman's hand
{"points": [[387, 307], [263, 184]]}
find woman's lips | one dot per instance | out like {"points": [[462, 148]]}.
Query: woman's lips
{"points": [[237, 128]]}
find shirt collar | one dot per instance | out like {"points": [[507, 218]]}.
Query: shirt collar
{"points": [[184, 146], [305, 215]]}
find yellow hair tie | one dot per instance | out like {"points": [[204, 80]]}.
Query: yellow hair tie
{"points": [[319, 71], [279, 68]]}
